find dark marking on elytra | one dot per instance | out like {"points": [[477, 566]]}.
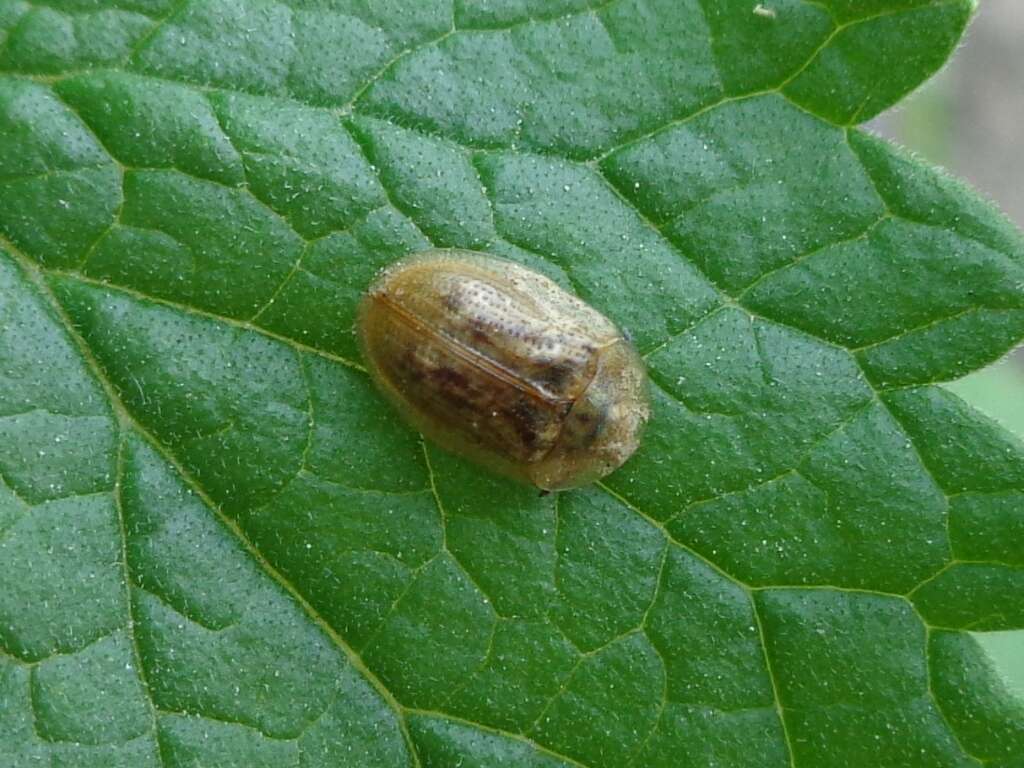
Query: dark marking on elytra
{"points": [[524, 421], [449, 378], [555, 375], [452, 302]]}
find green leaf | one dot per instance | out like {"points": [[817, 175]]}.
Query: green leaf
{"points": [[219, 547]]}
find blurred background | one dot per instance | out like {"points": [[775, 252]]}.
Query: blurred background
{"points": [[970, 120]]}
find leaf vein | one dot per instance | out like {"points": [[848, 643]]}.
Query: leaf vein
{"points": [[276, 576]]}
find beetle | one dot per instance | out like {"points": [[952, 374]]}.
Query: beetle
{"points": [[497, 363]]}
